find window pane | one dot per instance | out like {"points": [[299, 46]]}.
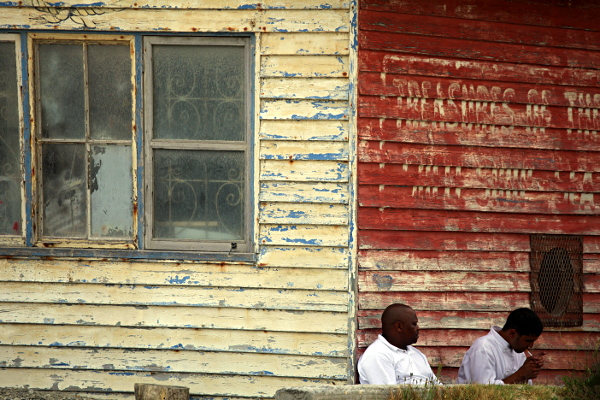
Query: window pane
{"points": [[64, 186], [199, 92], [110, 90], [10, 176], [112, 191], [199, 195], [61, 78]]}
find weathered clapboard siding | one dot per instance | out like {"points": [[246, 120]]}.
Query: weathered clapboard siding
{"points": [[228, 329], [477, 127]]}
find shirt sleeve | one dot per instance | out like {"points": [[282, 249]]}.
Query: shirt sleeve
{"points": [[480, 367], [377, 369]]}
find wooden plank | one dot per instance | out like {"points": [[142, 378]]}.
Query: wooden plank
{"points": [[581, 15], [414, 64], [164, 273], [553, 377], [123, 381], [435, 281], [484, 135], [321, 130], [461, 301], [460, 241], [164, 317], [467, 320], [172, 361], [484, 178], [303, 150], [277, 299], [297, 66], [479, 112], [474, 29], [303, 213], [304, 171], [304, 235], [300, 192], [477, 157], [383, 260], [199, 4], [305, 88], [321, 43], [508, 201], [304, 109], [465, 338], [304, 257], [310, 344], [466, 221], [179, 20]]}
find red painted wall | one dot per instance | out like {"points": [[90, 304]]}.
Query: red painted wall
{"points": [[478, 126]]}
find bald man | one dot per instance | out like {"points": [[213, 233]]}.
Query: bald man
{"points": [[391, 359]]}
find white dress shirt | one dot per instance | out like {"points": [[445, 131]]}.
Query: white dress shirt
{"points": [[489, 360], [385, 364]]}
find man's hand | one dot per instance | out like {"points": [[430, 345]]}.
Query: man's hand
{"points": [[529, 370]]}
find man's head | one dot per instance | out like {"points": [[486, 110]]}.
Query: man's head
{"points": [[400, 325], [522, 329]]}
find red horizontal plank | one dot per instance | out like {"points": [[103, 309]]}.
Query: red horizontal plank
{"points": [[582, 14], [401, 85], [385, 260], [482, 135], [458, 241], [466, 221], [442, 301], [471, 112], [467, 320], [477, 157], [484, 178], [485, 200], [442, 281], [414, 64], [465, 338], [478, 50], [488, 31], [553, 377], [461, 301]]}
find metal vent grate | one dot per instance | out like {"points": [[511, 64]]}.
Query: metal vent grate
{"points": [[556, 285]]}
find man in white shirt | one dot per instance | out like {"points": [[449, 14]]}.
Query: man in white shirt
{"points": [[502, 356], [391, 359]]}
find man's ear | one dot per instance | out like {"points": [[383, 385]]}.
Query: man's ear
{"points": [[398, 326], [513, 333]]}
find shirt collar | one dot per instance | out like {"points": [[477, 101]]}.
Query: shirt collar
{"points": [[499, 339], [392, 347]]}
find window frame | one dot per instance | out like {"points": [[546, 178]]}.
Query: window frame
{"points": [[228, 246]]}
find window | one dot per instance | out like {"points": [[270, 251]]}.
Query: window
{"points": [[87, 98], [556, 284]]}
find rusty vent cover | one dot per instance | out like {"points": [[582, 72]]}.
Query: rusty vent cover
{"points": [[556, 285]]}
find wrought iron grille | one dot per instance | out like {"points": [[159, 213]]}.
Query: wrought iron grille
{"points": [[556, 279]]}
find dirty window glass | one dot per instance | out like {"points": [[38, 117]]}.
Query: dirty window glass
{"points": [[10, 174], [85, 130]]}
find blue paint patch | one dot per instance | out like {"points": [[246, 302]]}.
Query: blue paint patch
{"points": [[60, 364], [152, 287], [295, 214], [55, 344], [122, 373], [319, 286], [48, 320], [177, 346], [319, 116], [177, 280], [8, 4], [97, 4], [247, 7], [312, 242], [261, 373]]}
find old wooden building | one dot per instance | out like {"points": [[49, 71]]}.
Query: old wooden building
{"points": [[224, 195]]}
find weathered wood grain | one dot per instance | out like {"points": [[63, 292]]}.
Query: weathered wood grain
{"points": [[172, 361], [481, 135], [321, 43], [296, 66], [303, 213], [486, 200], [303, 150], [484, 178], [167, 317], [304, 235], [303, 109], [310, 344], [414, 64], [123, 381], [300, 192], [477, 157], [320, 130], [305, 88], [304, 257], [279, 299], [461, 241], [304, 171]]}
